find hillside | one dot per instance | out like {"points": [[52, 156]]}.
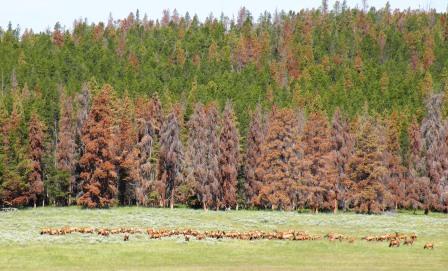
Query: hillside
{"points": [[320, 109]]}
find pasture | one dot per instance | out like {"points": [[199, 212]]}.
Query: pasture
{"points": [[23, 248]]}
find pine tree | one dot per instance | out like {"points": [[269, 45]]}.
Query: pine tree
{"points": [[203, 155], [228, 157], [17, 164], [98, 170], [319, 164], [66, 145], [82, 108], [367, 171], [145, 142], [3, 146], [395, 181], [434, 134], [36, 151], [195, 155], [417, 192], [126, 153], [343, 144], [254, 141], [170, 157], [279, 166]]}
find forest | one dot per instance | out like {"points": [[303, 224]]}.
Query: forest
{"points": [[329, 109]]}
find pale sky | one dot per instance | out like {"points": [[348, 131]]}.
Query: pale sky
{"points": [[42, 14]]}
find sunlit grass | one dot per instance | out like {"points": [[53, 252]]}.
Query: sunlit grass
{"points": [[23, 248]]}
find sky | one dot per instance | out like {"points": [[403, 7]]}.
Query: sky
{"points": [[43, 14]]}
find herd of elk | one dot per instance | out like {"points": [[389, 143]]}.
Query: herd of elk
{"points": [[187, 233], [250, 235], [394, 239], [337, 236]]}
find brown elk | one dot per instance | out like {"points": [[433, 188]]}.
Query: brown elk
{"points": [[369, 238], [45, 231], [126, 236], [394, 243], [408, 241], [200, 237], [428, 246], [103, 232]]}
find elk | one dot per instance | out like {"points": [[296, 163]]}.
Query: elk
{"points": [[200, 237], [126, 237], [369, 238], [45, 231], [394, 243], [103, 232], [428, 246], [409, 241]]}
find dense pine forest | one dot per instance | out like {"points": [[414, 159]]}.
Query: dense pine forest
{"points": [[325, 109]]}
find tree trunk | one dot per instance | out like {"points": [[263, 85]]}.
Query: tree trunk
{"points": [[335, 207], [34, 203], [70, 191], [426, 211], [172, 199]]}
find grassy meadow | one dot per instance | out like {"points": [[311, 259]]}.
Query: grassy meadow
{"points": [[23, 248]]}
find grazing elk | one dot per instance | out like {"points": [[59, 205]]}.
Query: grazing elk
{"points": [[200, 237], [103, 232], [369, 238], [126, 237], [45, 231]]}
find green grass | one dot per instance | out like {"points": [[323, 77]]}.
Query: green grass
{"points": [[23, 248]]}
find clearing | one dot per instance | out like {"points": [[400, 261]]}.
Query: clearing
{"points": [[23, 248]]}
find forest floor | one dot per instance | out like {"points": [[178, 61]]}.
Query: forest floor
{"points": [[23, 248]]}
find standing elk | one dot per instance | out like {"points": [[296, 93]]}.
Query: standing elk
{"points": [[408, 241], [394, 243], [429, 246]]}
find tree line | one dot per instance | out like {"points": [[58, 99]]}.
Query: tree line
{"points": [[327, 109], [318, 59], [114, 150]]}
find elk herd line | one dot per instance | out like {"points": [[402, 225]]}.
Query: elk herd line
{"points": [[395, 239]]}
